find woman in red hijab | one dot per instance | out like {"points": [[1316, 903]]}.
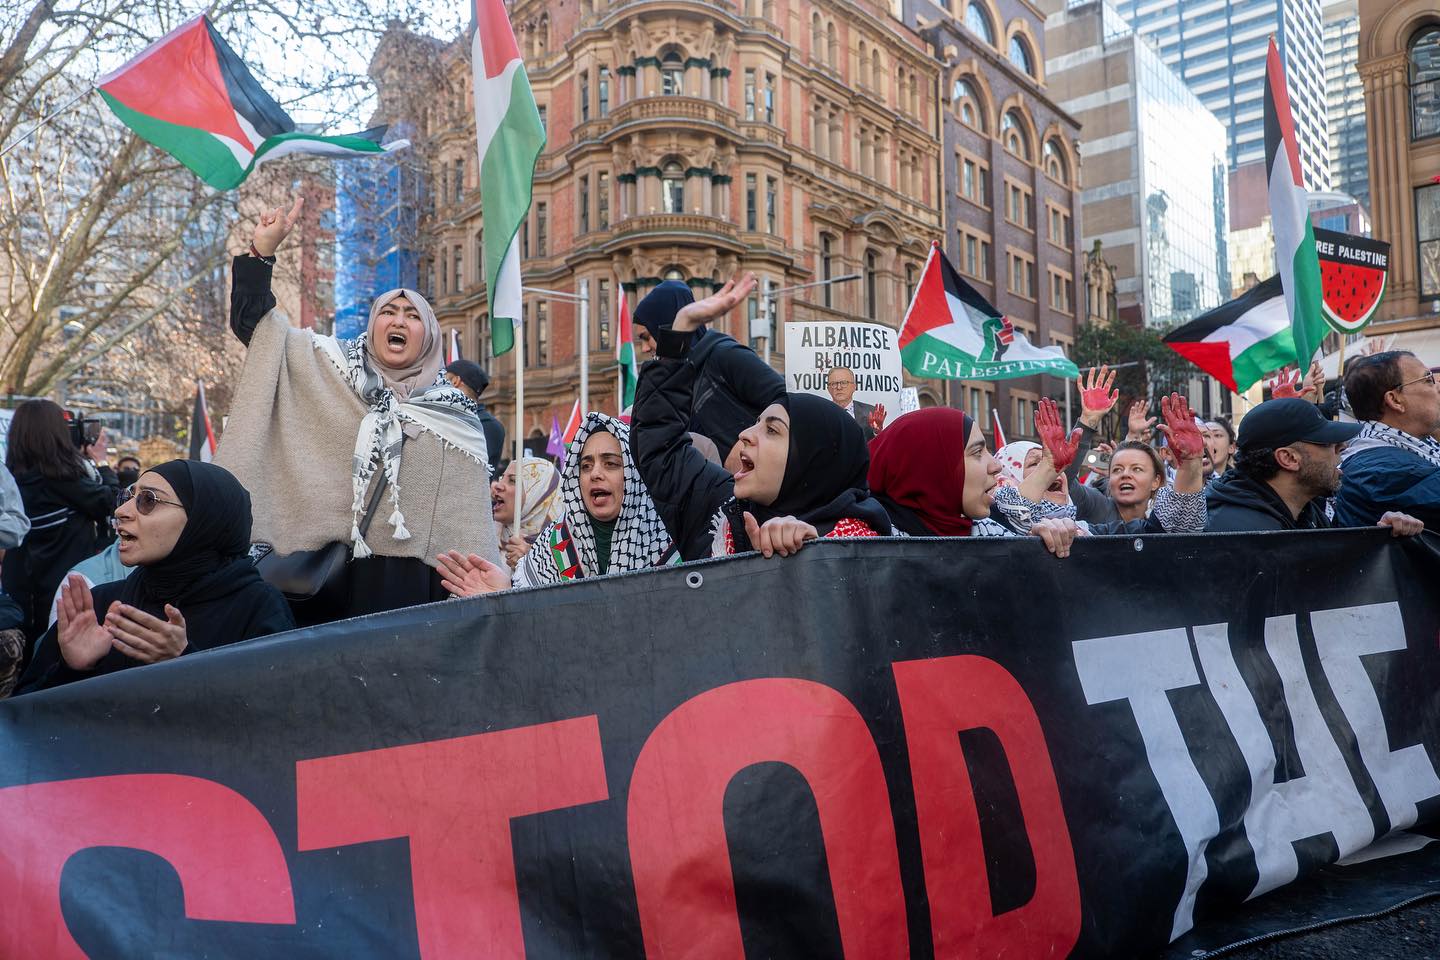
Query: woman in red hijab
{"points": [[932, 472]]}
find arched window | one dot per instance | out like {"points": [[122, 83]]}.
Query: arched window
{"points": [[864, 61], [1425, 84], [1054, 157], [832, 41], [672, 75], [827, 266], [872, 285], [877, 74], [966, 103], [674, 273], [817, 38], [543, 38], [979, 22], [914, 87], [1012, 134], [1020, 55], [672, 188], [912, 274]]}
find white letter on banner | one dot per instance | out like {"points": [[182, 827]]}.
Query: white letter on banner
{"points": [[1342, 637], [1140, 667], [1325, 799]]}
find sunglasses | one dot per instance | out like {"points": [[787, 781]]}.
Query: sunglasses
{"points": [[145, 500]]}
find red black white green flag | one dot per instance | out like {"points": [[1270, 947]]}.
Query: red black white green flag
{"points": [[202, 434], [625, 354], [951, 332], [191, 96]]}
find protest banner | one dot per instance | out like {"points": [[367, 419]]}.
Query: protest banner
{"points": [[840, 753], [869, 350]]}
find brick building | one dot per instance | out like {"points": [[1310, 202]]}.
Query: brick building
{"points": [[799, 140]]}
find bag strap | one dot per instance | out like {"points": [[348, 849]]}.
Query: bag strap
{"points": [[374, 503]]}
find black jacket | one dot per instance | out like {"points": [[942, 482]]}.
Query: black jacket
{"points": [[1236, 503], [67, 525], [732, 386], [494, 439]]}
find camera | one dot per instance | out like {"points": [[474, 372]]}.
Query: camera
{"points": [[83, 432]]}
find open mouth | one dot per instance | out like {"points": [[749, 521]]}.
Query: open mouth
{"points": [[1125, 486], [396, 339], [1055, 486], [599, 496], [124, 537], [496, 502], [747, 466]]}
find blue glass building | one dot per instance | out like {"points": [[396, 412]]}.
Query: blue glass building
{"points": [[377, 203]]}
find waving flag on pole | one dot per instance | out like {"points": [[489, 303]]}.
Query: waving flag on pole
{"points": [[572, 425], [625, 353], [510, 137], [454, 346], [999, 438], [1290, 217], [191, 96], [202, 434]]}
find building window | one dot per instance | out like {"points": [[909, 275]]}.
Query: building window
{"points": [[602, 314], [832, 45], [602, 200], [1012, 134], [1427, 236], [752, 311], [872, 285], [980, 408], [772, 200], [1019, 205], [604, 91], [1024, 424], [459, 268], [542, 228], [817, 38], [978, 20], [1054, 157], [1058, 225], [827, 266], [769, 94], [912, 279], [544, 124], [672, 75], [1021, 274], [974, 179], [584, 96], [459, 179], [582, 202], [525, 237], [752, 212], [542, 333], [966, 103], [444, 273], [480, 254], [1019, 54], [749, 93], [974, 255], [1061, 290], [672, 188], [1425, 84]]}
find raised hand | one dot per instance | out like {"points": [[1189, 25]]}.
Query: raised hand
{"points": [[1137, 425], [83, 641], [99, 451], [1180, 429], [1052, 435], [782, 535], [715, 306], [470, 576], [1284, 388], [141, 636], [1314, 383], [1096, 395], [877, 418], [274, 226]]}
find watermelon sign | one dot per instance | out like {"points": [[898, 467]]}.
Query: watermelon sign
{"points": [[1352, 277]]}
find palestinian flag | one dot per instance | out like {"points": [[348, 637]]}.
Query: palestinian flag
{"points": [[190, 95], [202, 434], [951, 332], [625, 353], [1290, 218], [572, 426], [1242, 341], [510, 137]]}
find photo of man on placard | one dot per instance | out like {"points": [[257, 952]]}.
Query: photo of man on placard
{"points": [[841, 384]]}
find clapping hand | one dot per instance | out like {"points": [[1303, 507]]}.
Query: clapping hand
{"points": [[470, 576], [715, 306], [83, 640], [141, 636], [274, 226], [1052, 435]]}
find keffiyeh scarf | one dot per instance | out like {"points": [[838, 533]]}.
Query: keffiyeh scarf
{"points": [[565, 549], [1373, 434]]}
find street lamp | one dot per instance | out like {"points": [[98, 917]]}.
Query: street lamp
{"points": [[765, 319]]}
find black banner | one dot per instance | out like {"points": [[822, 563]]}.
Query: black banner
{"points": [[883, 748]]}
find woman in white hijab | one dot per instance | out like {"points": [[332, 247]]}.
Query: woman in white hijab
{"points": [[362, 443]]}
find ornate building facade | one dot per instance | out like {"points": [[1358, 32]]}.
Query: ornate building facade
{"points": [[799, 140]]}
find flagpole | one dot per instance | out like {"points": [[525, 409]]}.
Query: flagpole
{"points": [[519, 348], [584, 347], [44, 120]]}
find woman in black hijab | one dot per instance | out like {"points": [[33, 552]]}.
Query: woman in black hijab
{"points": [[185, 527], [800, 467]]}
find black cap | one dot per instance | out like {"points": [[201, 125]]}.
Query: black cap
{"points": [[471, 374], [1278, 423]]}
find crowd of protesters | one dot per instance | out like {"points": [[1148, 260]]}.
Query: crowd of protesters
{"points": [[357, 476]]}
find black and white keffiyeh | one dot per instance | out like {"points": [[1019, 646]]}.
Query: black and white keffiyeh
{"points": [[1373, 434], [640, 537]]}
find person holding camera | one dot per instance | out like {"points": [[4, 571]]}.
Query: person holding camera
{"points": [[69, 492]]}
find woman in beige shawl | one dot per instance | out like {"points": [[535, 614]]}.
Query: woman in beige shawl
{"points": [[319, 424]]}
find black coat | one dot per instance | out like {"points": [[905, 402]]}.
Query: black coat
{"points": [[494, 438], [1235, 503], [732, 386], [240, 606], [67, 525]]}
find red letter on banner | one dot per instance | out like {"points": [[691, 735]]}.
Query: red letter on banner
{"points": [[678, 853], [228, 859], [454, 799], [939, 699]]}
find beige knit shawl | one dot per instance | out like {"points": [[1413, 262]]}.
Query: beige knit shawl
{"points": [[290, 439]]}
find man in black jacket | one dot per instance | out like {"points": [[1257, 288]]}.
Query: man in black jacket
{"points": [[732, 384], [1287, 464], [471, 379]]}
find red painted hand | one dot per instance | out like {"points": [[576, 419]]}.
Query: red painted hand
{"points": [[1052, 435], [1096, 395], [877, 418], [1284, 388], [1180, 429]]}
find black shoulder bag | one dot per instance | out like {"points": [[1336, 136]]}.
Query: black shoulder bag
{"points": [[315, 578]]}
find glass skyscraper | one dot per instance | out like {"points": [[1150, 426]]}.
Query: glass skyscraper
{"points": [[1218, 48], [1345, 93], [376, 245]]}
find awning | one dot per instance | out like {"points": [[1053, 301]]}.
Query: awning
{"points": [[1425, 344]]}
